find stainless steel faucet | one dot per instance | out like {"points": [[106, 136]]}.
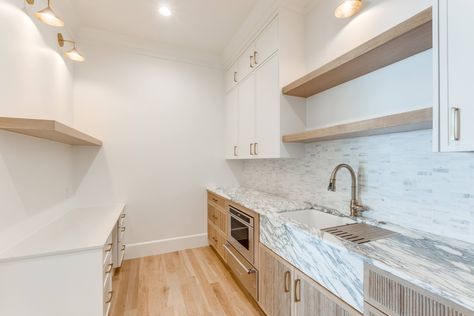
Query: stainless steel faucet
{"points": [[355, 207]]}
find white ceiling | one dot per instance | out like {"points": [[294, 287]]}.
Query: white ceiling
{"points": [[206, 25]]}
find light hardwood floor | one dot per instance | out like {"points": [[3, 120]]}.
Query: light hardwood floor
{"points": [[190, 283]]}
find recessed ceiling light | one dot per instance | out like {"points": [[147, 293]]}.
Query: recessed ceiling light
{"points": [[165, 11]]}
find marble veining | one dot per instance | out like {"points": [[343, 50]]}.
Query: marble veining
{"points": [[440, 265]]}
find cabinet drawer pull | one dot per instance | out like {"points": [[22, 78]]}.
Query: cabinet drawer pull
{"points": [[122, 229], [255, 53], [123, 248], [235, 151], [109, 268], [215, 200], [298, 290], [235, 76], [123, 215], [455, 119], [251, 62], [255, 149], [109, 247], [110, 297], [251, 150], [287, 281]]}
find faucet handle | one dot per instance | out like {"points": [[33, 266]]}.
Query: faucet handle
{"points": [[357, 208]]}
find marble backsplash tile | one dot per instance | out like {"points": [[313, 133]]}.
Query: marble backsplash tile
{"points": [[400, 180]]}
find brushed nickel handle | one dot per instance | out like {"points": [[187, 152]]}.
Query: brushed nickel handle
{"points": [[235, 76], [298, 290], [255, 149], [123, 248], [251, 149], [122, 229], [287, 281], [249, 271], [109, 268], [110, 245], [110, 297], [235, 151], [251, 62], [455, 120], [255, 53]]}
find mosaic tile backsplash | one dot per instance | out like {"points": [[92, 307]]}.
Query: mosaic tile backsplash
{"points": [[400, 180]]}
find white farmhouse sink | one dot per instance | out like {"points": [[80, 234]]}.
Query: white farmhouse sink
{"points": [[317, 219]]}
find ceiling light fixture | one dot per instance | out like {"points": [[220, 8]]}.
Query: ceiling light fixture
{"points": [[165, 11], [72, 54], [47, 15], [348, 8]]}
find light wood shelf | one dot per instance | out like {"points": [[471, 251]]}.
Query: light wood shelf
{"points": [[396, 123], [48, 129], [410, 37]]}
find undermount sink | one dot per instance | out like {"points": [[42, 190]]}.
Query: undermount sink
{"points": [[317, 219]]}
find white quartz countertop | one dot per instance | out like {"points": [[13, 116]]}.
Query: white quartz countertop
{"points": [[441, 265], [79, 229]]}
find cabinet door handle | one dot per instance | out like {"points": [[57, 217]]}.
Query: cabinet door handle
{"points": [[123, 248], [235, 76], [455, 120], [109, 268], [215, 200], [255, 53], [122, 229], [298, 290], [287, 281], [235, 151], [255, 149], [123, 215], [109, 247], [251, 150], [252, 61]]}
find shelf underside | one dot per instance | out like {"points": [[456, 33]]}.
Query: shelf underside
{"points": [[395, 123], [48, 129], [410, 37]]}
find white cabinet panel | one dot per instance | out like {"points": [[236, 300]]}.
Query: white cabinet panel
{"points": [[455, 49], [267, 110], [246, 64], [266, 43], [247, 117], [232, 124]]}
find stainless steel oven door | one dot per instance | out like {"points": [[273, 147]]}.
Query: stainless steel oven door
{"points": [[241, 233]]}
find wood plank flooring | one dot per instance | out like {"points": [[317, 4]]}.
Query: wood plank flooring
{"points": [[186, 283]]}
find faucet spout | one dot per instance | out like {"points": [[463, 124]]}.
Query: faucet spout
{"points": [[355, 207]]}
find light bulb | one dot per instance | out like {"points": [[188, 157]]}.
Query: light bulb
{"points": [[348, 8], [165, 11], [49, 17]]}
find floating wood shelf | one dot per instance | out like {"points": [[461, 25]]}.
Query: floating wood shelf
{"points": [[396, 123], [411, 37], [48, 129]]}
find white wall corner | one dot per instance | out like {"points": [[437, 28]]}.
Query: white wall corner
{"points": [[157, 247]]}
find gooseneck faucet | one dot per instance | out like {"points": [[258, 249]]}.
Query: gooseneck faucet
{"points": [[355, 207]]}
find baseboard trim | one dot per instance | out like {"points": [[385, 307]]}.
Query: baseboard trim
{"points": [[157, 247]]}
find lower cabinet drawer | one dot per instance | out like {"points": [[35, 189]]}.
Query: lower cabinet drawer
{"points": [[243, 270]]}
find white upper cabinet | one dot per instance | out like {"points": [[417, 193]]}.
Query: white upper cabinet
{"points": [[247, 117], [266, 43], [232, 124], [264, 113], [453, 55]]}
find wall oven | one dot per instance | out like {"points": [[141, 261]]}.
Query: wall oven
{"points": [[241, 233]]}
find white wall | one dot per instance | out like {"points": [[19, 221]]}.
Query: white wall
{"points": [[161, 123], [35, 82]]}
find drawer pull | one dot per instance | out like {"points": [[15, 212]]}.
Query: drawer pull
{"points": [[123, 248], [122, 229], [235, 76], [123, 215], [110, 297], [287, 281], [255, 53], [455, 124], [235, 151], [298, 290], [110, 246], [109, 268], [215, 200]]}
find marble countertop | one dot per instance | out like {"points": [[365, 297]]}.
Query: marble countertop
{"points": [[78, 230], [440, 265]]}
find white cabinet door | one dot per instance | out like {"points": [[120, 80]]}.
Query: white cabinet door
{"points": [[247, 117], [231, 77], [267, 109], [232, 123], [456, 51], [246, 64], [266, 43]]}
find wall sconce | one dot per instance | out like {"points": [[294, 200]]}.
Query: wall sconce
{"points": [[348, 8], [72, 54], [47, 15]]}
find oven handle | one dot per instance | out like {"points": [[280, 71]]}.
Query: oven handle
{"points": [[249, 271], [240, 220]]}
